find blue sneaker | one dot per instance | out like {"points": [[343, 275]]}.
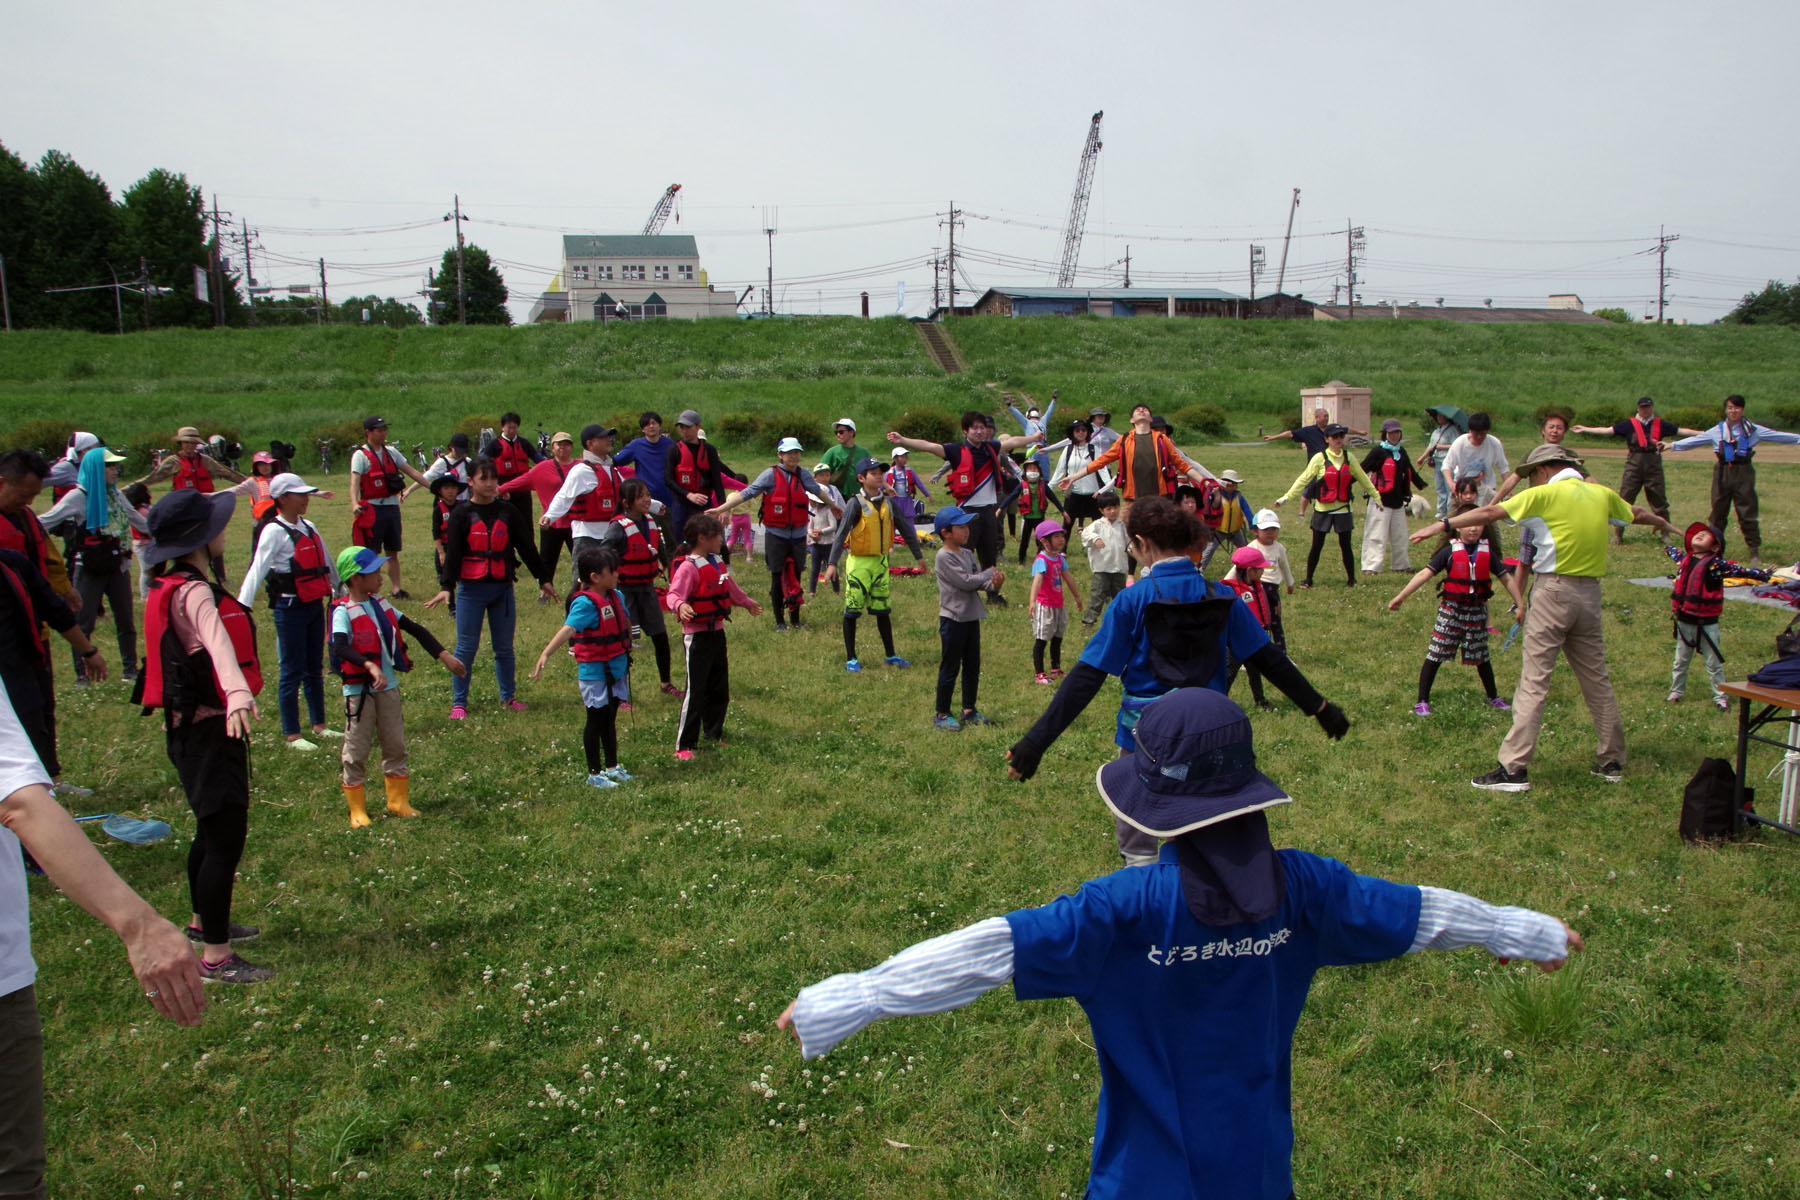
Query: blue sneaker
{"points": [[602, 780], [618, 774], [894, 660], [975, 717], [853, 666], [947, 723]]}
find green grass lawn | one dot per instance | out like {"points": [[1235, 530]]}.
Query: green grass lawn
{"points": [[537, 989]]}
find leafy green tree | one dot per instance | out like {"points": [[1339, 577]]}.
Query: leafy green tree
{"points": [[484, 292], [286, 310], [72, 244], [162, 221], [18, 217], [1617, 316], [1776, 304], [395, 314]]}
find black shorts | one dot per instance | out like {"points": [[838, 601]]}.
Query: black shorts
{"points": [[1081, 508], [214, 767], [383, 537]]}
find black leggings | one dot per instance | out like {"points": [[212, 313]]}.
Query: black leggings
{"points": [[602, 734], [1428, 676], [1029, 526], [1318, 544], [778, 552], [212, 867], [961, 642], [884, 623], [550, 546], [1037, 655]]}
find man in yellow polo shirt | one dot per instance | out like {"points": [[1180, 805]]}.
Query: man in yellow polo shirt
{"points": [[1575, 517]]}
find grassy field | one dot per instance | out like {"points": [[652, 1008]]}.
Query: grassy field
{"points": [[541, 990]]}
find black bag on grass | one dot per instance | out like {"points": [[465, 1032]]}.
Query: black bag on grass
{"points": [[1706, 814]]}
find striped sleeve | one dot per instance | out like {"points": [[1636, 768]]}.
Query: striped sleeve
{"points": [[934, 976], [1450, 920]]}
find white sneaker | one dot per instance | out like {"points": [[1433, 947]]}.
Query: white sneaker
{"points": [[301, 744], [328, 733]]}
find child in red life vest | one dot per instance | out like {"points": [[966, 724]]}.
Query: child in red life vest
{"points": [[600, 627], [1035, 501], [1698, 596], [702, 595], [1048, 604], [643, 554], [743, 528], [1469, 562], [201, 669], [1246, 579], [368, 648]]}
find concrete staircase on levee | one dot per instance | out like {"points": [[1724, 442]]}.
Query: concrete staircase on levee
{"points": [[942, 349]]}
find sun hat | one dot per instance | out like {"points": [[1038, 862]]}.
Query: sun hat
{"points": [[1099, 412], [1266, 518], [1046, 530], [846, 422], [950, 515], [1248, 558], [560, 436], [1193, 766], [1231, 477], [289, 484], [688, 417], [449, 478], [187, 433], [185, 520], [787, 444], [358, 560], [374, 423], [1547, 455]]}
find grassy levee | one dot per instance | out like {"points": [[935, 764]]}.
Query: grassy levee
{"points": [[537, 989]]}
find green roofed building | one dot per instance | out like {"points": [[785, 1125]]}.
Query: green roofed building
{"points": [[631, 277]]}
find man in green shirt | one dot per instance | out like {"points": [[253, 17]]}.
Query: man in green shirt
{"points": [[1572, 521], [843, 457]]}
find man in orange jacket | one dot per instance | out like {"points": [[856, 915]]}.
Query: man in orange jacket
{"points": [[1149, 463]]}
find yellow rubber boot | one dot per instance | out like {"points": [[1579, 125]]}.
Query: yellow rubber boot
{"points": [[396, 796], [359, 812]]}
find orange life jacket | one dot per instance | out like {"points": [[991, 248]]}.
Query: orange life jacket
{"points": [[260, 499], [192, 473]]}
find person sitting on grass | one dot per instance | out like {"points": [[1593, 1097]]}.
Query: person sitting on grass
{"points": [[599, 625], [1470, 561], [1048, 605], [864, 538], [702, 594], [1193, 973], [368, 650]]}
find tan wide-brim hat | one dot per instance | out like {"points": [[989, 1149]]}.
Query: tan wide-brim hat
{"points": [[187, 433]]}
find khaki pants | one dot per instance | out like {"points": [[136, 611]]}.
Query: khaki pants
{"points": [[1384, 539], [1734, 486], [1564, 618], [366, 716]]}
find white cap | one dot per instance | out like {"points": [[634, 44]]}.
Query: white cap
{"points": [[288, 484], [786, 444], [80, 442], [898, 452], [1266, 519], [846, 421]]}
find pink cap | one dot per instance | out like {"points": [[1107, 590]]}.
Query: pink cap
{"points": [[1248, 557], [1045, 530]]}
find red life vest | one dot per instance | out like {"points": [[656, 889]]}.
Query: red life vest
{"points": [[601, 502], [968, 473], [383, 478], [23, 595], [1336, 482], [1253, 595], [1388, 476], [192, 473], [1212, 504], [57, 493], [260, 499], [174, 680], [309, 578], [691, 465], [642, 558], [510, 459], [611, 637], [1644, 437], [1469, 575], [1693, 599], [21, 531], [365, 639], [485, 556], [711, 596], [442, 535], [784, 504]]}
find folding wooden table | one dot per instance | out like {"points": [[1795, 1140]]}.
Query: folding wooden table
{"points": [[1779, 706]]}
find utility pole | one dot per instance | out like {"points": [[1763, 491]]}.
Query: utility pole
{"points": [[1128, 266], [1258, 260], [462, 304], [324, 300], [937, 291], [144, 279], [1354, 245], [955, 219], [249, 278], [218, 273], [1281, 274], [1662, 268], [770, 215]]}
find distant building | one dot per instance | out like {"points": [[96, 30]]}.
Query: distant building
{"points": [[1108, 302], [1560, 311], [631, 278]]}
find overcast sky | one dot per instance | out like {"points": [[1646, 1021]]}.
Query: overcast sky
{"points": [[1489, 152]]}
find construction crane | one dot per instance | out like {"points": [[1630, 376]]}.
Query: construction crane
{"points": [[664, 207], [1078, 205]]}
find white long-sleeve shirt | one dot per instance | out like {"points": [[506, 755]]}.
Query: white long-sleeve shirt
{"points": [[1107, 547], [275, 554], [576, 484]]}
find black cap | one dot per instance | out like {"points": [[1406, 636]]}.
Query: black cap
{"points": [[590, 432], [374, 423], [1645, 402], [459, 441], [1336, 431]]}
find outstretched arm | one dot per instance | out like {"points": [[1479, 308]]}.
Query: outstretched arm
{"points": [[1450, 920], [1412, 585], [917, 445]]}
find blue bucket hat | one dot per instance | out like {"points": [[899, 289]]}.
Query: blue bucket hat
{"points": [[1194, 766]]}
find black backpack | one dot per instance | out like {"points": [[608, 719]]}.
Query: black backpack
{"points": [[1706, 814]]}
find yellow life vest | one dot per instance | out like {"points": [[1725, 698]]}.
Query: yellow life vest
{"points": [[874, 531]]}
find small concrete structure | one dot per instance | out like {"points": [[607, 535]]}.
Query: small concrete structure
{"points": [[1348, 406]]}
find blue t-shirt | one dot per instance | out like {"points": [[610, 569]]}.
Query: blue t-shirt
{"points": [[651, 462], [1194, 1024], [584, 616], [1121, 647]]}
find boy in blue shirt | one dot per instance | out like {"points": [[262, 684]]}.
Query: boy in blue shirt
{"points": [[1202, 961]]}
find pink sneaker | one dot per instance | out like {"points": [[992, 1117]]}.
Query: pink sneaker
{"points": [[1040, 677], [1421, 709], [516, 704], [624, 706], [684, 756], [458, 712]]}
